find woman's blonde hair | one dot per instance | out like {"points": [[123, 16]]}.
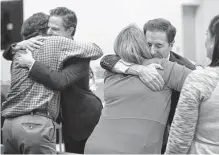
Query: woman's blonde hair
{"points": [[131, 46]]}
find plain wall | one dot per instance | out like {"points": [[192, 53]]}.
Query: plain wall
{"points": [[188, 35], [100, 21]]}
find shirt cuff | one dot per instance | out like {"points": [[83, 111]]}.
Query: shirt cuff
{"points": [[122, 66]]}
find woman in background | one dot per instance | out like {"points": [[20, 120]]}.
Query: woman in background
{"points": [[195, 128], [134, 117]]}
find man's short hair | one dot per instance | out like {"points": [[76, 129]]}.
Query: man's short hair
{"points": [[162, 25], [37, 24], [68, 16]]}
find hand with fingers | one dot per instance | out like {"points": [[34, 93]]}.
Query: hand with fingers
{"points": [[31, 44], [150, 77], [25, 59]]}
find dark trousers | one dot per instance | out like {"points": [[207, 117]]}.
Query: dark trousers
{"points": [[165, 138], [74, 146]]}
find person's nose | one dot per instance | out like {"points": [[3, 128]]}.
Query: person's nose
{"points": [[49, 31], [153, 50]]}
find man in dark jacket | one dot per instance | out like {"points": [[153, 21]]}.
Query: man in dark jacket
{"points": [[81, 109], [160, 35]]}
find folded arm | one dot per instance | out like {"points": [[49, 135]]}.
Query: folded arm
{"points": [[74, 69]]}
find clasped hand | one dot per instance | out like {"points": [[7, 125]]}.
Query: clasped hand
{"points": [[26, 59]]}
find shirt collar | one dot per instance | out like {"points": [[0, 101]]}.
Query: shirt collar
{"points": [[168, 58]]}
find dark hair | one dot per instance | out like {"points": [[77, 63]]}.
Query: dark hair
{"points": [[68, 16], [36, 24], [214, 31], [163, 25]]}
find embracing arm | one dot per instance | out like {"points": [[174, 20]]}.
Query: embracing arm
{"points": [[31, 44], [174, 74], [7, 54], [113, 63], [148, 73], [75, 68]]}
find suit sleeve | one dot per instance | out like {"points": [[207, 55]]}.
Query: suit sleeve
{"points": [[175, 76], [109, 61], [7, 54], [74, 69]]}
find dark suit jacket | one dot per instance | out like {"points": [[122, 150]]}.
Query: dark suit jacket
{"points": [[81, 109], [175, 94], [108, 62]]}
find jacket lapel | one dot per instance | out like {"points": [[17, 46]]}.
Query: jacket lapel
{"points": [[181, 60]]}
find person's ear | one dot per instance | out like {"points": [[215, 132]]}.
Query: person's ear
{"points": [[212, 42], [71, 30], [172, 43]]}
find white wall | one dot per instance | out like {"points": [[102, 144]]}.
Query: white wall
{"points": [[200, 32], [189, 27]]}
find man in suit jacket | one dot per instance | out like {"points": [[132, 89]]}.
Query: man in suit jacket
{"points": [[30, 105], [160, 35], [81, 109]]}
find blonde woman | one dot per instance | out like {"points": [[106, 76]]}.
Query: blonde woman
{"points": [[195, 127], [134, 117]]}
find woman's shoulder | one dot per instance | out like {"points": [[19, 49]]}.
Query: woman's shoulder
{"points": [[206, 75], [203, 80]]}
